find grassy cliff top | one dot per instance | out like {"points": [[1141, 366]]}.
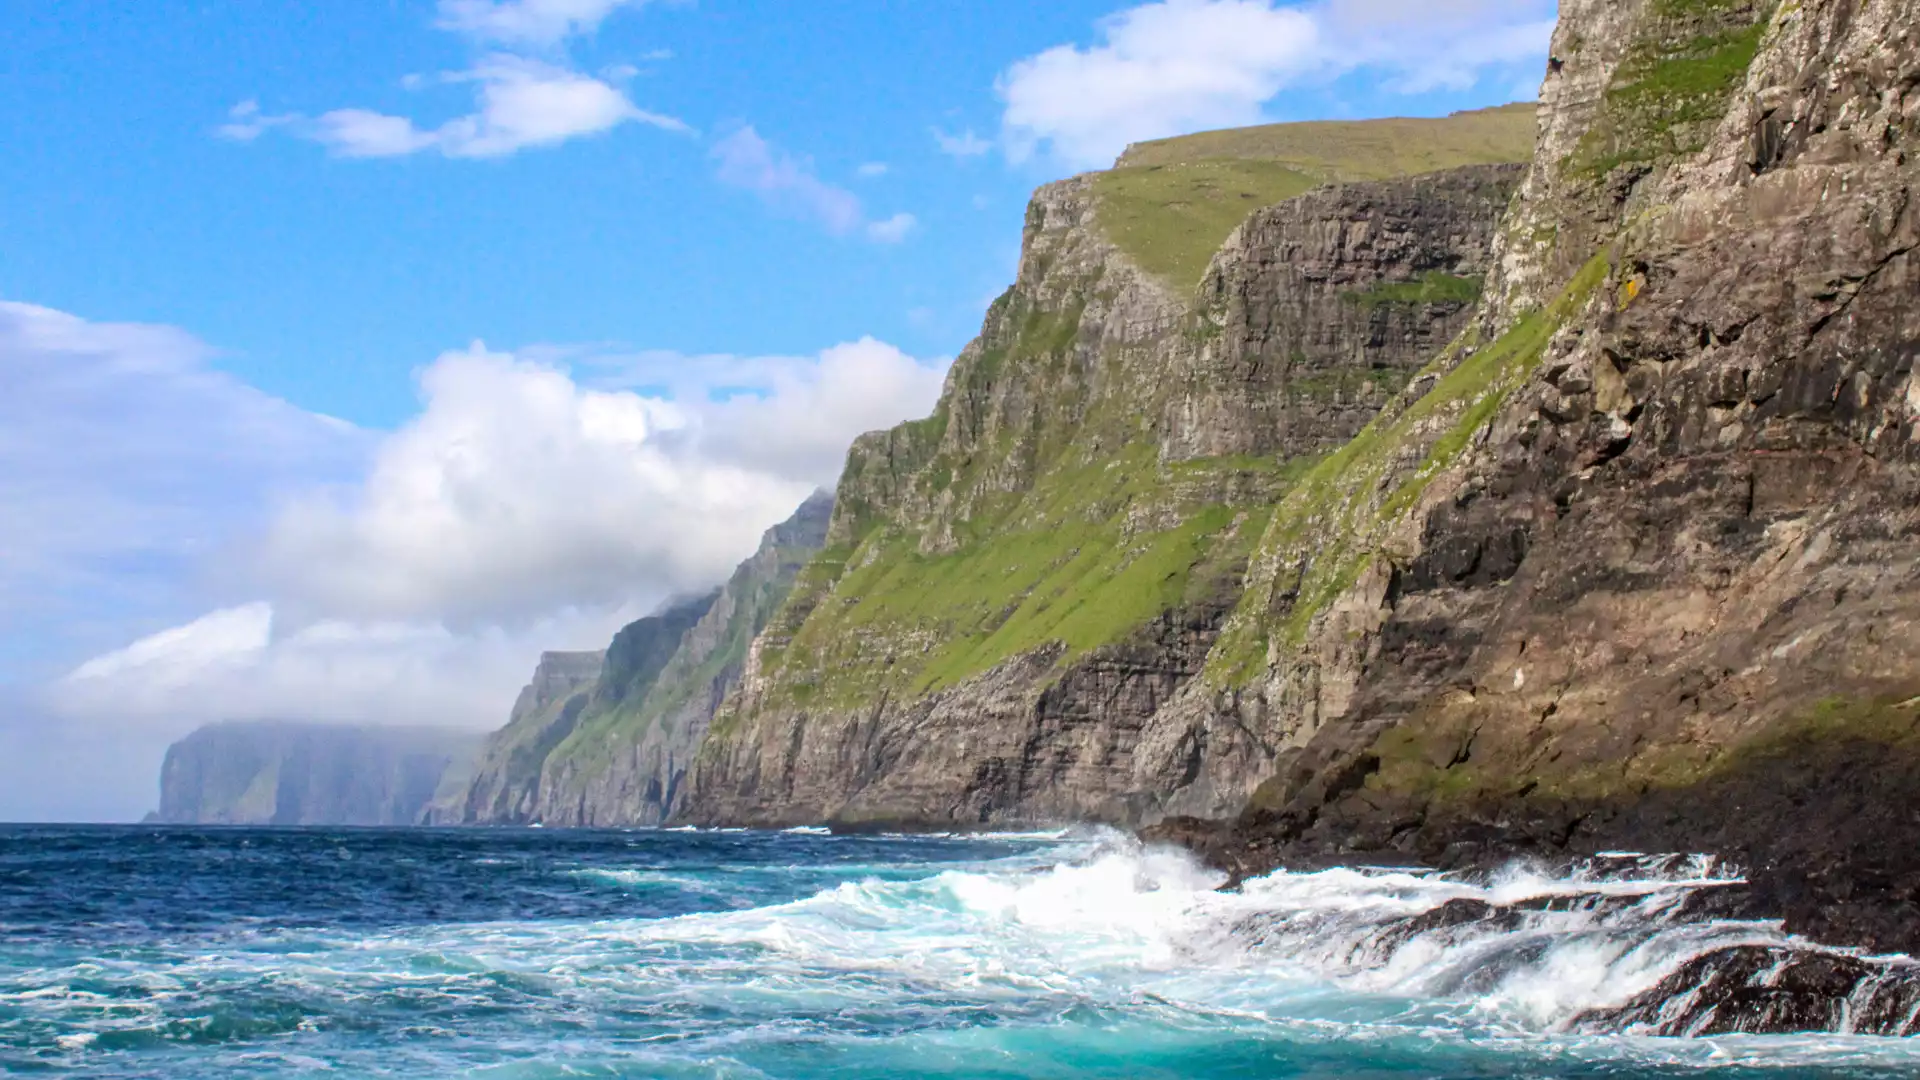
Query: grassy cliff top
{"points": [[1171, 203]]}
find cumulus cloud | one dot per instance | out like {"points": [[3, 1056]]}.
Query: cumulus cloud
{"points": [[1177, 66], [790, 185], [521, 510], [519, 491], [535, 23], [799, 416], [537, 501]]}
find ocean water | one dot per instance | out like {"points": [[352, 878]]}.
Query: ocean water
{"points": [[514, 955]]}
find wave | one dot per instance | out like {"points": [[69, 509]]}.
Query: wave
{"points": [[1629, 945], [1086, 955]]}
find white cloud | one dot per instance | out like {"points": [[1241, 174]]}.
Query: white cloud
{"points": [[126, 462], [365, 134], [245, 122], [515, 493], [893, 230], [800, 416], [238, 663], [533, 23], [790, 185], [518, 491], [1177, 66], [520, 103], [872, 169], [411, 577], [964, 145]]}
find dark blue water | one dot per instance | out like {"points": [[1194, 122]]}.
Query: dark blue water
{"points": [[211, 954]]}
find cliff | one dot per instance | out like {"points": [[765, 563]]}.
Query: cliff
{"points": [[269, 773], [1424, 525], [1638, 571], [504, 783], [1018, 591], [605, 739]]}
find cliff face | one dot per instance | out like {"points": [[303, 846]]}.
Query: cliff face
{"points": [[1020, 592], [1615, 548], [504, 785], [605, 739], [306, 774], [1639, 569]]}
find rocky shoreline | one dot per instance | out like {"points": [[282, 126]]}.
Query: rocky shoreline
{"points": [[1819, 828]]}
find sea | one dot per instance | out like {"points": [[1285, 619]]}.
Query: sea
{"points": [[533, 954]]}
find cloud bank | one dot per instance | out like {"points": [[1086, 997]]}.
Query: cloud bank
{"points": [[1178, 66], [522, 509], [125, 461]]}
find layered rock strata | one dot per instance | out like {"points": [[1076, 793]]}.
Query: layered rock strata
{"points": [[1021, 592], [1660, 592]]}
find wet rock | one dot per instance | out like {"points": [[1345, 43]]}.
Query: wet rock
{"points": [[1766, 991]]}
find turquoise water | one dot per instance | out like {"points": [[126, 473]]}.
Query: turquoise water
{"points": [[242, 953]]}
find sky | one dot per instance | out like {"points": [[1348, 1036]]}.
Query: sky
{"points": [[353, 354]]}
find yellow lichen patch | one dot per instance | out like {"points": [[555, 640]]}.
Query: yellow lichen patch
{"points": [[1630, 291]]}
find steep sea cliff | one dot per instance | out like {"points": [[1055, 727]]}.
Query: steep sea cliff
{"points": [[273, 773], [1428, 522], [601, 739], [1537, 483]]}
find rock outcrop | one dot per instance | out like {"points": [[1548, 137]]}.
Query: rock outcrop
{"points": [[269, 773], [605, 739]]}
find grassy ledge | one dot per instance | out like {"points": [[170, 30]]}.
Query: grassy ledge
{"points": [[1675, 83], [1170, 204]]}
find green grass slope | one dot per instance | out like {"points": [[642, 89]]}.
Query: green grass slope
{"points": [[1169, 204]]}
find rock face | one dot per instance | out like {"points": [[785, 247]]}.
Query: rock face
{"points": [[505, 783], [605, 739], [269, 773], [1021, 592], [1659, 591], [1616, 551], [1320, 309]]}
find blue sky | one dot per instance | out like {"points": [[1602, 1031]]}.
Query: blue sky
{"points": [[248, 251]]}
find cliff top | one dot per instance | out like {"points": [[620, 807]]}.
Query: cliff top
{"points": [[1171, 203], [1359, 149]]}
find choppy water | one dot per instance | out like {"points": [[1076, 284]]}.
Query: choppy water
{"points": [[218, 954]]}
